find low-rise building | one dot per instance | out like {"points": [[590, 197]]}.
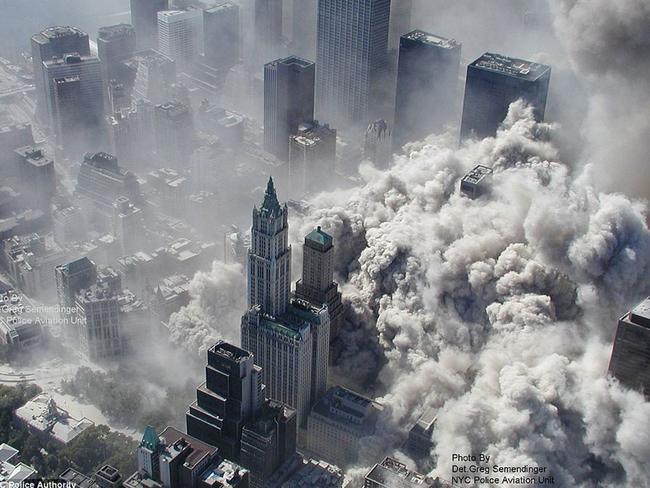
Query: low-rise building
{"points": [[338, 422], [44, 418], [21, 329], [390, 473], [13, 473]]}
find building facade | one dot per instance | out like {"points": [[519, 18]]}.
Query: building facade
{"points": [[180, 34], [312, 158], [144, 18], [288, 101], [427, 80], [351, 59], [493, 83], [221, 43], [114, 44]]}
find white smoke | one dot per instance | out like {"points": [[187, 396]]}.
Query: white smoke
{"points": [[500, 311], [218, 298]]}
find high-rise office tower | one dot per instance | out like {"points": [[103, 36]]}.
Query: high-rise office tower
{"points": [[305, 24], [75, 101], [400, 21], [115, 43], [221, 35], [174, 133], [180, 34], [317, 285], [127, 225], [54, 42], [288, 101], [427, 80], [493, 83], [378, 143], [289, 339], [630, 361], [153, 73], [36, 173], [145, 21], [312, 158], [231, 396], [71, 278], [351, 59], [268, 29]]}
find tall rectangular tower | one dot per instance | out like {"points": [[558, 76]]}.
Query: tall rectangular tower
{"points": [[351, 58], [268, 29], [115, 43], [269, 260], [221, 35], [493, 83], [180, 34], [231, 396], [288, 101], [145, 21], [427, 79], [630, 361], [54, 42], [305, 23]]}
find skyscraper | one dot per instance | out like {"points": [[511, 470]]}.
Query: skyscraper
{"points": [[54, 42], [493, 83], [317, 285], [114, 44], [312, 158], [269, 260], [351, 59], [268, 29], [174, 133], [630, 361], [180, 34], [221, 35], [231, 396], [305, 24], [71, 278], [400, 21], [427, 80], [288, 101], [75, 101], [145, 21], [289, 339]]}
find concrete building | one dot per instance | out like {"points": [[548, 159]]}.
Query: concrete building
{"points": [[21, 328], [289, 338], [128, 223], [338, 422], [12, 137], [108, 477], [131, 133], [378, 143], [268, 29], [101, 181], [36, 173], [630, 360], [288, 101], [73, 277], [180, 34], [317, 285], [351, 60], [312, 157], [52, 42], [476, 182], [144, 18], [174, 133], [115, 43], [152, 73], [169, 296], [12, 472], [420, 440], [221, 43], [75, 101], [427, 81], [44, 418], [232, 395], [390, 473], [493, 83]]}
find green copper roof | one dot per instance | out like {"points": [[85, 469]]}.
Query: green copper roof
{"points": [[150, 439], [271, 204], [320, 237]]}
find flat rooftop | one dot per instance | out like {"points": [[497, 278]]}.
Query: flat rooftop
{"points": [[432, 39], [294, 60], [393, 474], [229, 351], [640, 315], [478, 173], [505, 65], [57, 31]]}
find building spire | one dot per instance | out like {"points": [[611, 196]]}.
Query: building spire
{"points": [[271, 203]]}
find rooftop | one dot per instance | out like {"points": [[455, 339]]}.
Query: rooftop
{"points": [[79, 480], [224, 474], [149, 57], [319, 237], [230, 352], [200, 450], [312, 473], [343, 406], [640, 315], [34, 156], [393, 474], [293, 60], [431, 39], [477, 174], [57, 31], [110, 32], [518, 68], [221, 7]]}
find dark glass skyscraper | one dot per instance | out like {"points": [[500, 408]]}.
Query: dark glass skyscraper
{"points": [[427, 79], [54, 42], [144, 17], [115, 43], [288, 101], [630, 361], [351, 59], [493, 83]]}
